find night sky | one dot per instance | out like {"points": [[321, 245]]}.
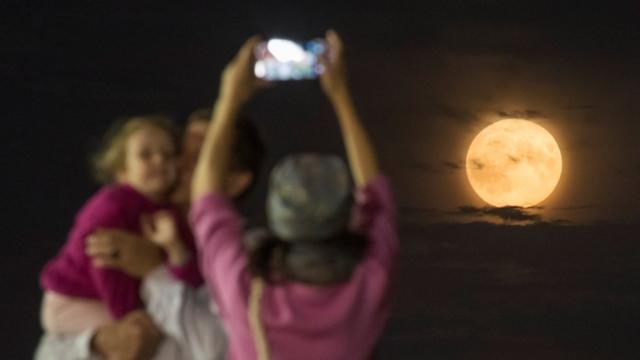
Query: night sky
{"points": [[426, 79]]}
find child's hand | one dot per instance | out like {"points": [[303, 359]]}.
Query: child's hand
{"points": [[160, 228]]}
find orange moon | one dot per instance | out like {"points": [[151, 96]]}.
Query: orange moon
{"points": [[514, 162]]}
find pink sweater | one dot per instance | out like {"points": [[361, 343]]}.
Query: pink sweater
{"points": [[70, 273], [342, 321]]}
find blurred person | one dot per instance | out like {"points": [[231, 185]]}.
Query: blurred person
{"points": [[137, 164], [192, 137], [184, 314], [315, 284]]}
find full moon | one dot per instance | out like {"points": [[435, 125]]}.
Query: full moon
{"points": [[514, 162]]}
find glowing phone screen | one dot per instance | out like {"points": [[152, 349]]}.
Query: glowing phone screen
{"points": [[282, 59]]}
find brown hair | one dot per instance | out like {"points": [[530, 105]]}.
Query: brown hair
{"points": [[249, 149], [275, 260], [112, 153], [201, 114]]}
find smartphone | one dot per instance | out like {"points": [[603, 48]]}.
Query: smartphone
{"points": [[282, 59]]}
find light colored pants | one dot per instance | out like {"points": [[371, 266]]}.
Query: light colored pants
{"points": [[70, 315]]}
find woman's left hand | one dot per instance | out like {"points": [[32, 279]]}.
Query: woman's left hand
{"points": [[334, 78], [119, 249]]}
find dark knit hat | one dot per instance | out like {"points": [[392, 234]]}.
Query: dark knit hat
{"points": [[309, 197]]}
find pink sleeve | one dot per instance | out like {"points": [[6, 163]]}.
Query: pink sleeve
{"points": [[223, 261], [116, 289], [375, 215]]}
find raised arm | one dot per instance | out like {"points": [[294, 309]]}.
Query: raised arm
{"points": [[362, 159], [237, 86]]}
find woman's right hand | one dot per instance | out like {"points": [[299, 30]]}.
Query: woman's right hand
{"points": [[119, 249], [238, 82]]}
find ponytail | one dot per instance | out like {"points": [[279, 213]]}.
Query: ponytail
{"points": [[317, 263], [267, 258]]}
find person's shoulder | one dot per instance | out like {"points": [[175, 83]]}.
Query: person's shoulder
{"points": [[108, 199], [215, 203]]}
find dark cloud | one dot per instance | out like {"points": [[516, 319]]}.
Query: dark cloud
{"points": [[432, 168], [452, 165], [560, 222], [521, 114], [413, 210], [505, 213], [424, 166]]}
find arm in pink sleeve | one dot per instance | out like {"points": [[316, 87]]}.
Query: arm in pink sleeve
{"points": [[375, 215], [223, 261]]}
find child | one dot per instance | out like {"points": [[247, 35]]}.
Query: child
{"points": [[138, 165], [315, 287]]}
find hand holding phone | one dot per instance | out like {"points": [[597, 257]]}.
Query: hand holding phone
{"points": [[282, 59]]}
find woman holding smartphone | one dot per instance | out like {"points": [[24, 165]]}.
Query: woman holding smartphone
{"points": [[315, 284]]}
